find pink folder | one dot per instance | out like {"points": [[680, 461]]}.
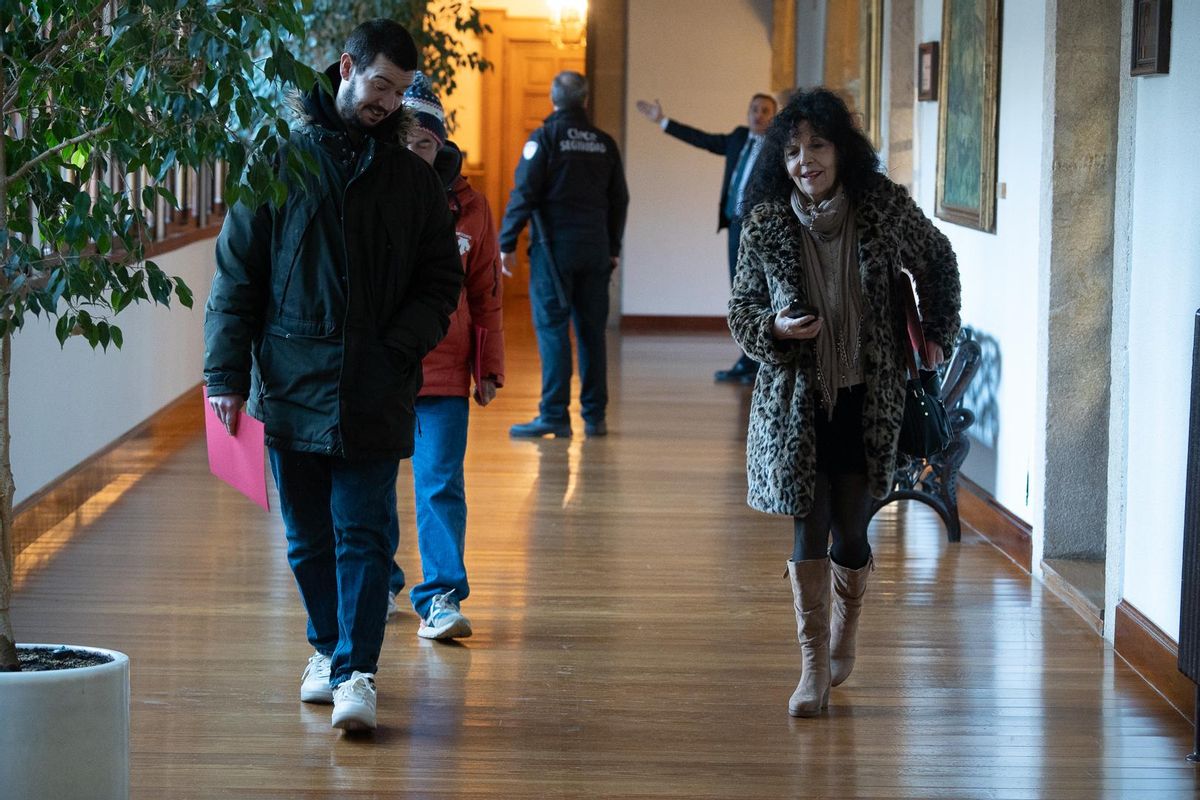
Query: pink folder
{"points": [[241, 460]]}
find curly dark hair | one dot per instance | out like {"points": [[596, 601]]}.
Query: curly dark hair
{"points": [[857, 161]]}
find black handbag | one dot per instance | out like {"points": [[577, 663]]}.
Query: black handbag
{"points": [[925, 430]]}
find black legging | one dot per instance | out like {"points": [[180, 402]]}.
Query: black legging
{"points": [[841, 501], [841, 505]]}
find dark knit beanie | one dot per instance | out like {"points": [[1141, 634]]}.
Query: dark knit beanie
{"points": [[425, 106]]}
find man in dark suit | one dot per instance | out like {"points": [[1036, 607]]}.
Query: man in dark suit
{"points": [[740, 148]]}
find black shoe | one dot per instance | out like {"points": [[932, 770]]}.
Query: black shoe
{"points": [[742, 372], [537, 427], [595, 428]]}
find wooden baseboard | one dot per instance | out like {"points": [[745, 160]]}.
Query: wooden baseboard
{"points": [[635, 323], [138, 451], [1007, 532], [1071, 594], [1153, 655]]}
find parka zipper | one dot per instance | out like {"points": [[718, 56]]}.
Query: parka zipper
{"points": [[359, 169]]}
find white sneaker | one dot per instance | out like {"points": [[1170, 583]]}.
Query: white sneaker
{"points": [[314, 683], [354, 703], [445, 621]]}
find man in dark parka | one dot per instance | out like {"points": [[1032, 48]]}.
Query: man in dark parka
{"points": [[320, 312]]}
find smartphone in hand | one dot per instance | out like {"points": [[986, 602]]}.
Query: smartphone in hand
{"points": [[797, 308]]}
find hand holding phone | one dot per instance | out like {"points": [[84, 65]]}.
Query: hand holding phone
{"points": [[797, 309]]}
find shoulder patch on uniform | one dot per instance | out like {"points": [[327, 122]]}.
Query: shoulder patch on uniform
{"points": [[531, 148]]}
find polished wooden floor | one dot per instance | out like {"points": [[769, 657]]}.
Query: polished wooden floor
{"points": [[634, 635]]}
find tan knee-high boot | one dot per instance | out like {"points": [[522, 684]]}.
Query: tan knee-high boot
{"points": [[810, 596], [849, 586]]}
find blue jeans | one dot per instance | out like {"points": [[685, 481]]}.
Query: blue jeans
{"points": [[583, 272], [441, 501], [338, 516]]}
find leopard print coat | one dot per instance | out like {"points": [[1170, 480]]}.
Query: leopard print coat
{"points": [[781, 441]]}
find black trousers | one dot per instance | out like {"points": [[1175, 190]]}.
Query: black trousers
{"points": [[735, 233]]}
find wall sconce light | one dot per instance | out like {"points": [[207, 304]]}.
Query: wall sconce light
{"points": [[568, 23]]}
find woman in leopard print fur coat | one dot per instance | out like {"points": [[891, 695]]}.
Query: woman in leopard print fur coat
{"points": [[823, 235]]}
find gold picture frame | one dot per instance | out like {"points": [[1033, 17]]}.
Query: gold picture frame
{"points": [[854, 61], [969, 92]]}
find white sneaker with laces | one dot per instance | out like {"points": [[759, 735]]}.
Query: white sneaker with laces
{"points": [[314, 683], [354, 703], [444, 621]]}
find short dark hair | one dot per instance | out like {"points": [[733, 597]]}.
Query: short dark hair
{"points": [[857, 161], [382, 36], [765, 96], [569, 90]]}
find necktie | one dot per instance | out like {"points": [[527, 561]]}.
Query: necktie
{"points": [[733, 197]]}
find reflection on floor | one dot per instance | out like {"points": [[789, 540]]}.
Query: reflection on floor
{"points": [[634, 636]]}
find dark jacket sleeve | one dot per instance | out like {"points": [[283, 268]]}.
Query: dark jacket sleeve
{"points": [[423, 317], [712, 142], [929, 257], [618, 204], [529, 187], [233, 314]]}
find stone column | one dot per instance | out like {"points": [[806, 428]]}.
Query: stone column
{"points": [[902, 93], [1083, 63]]}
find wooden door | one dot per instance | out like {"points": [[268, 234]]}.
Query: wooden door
{"points": [[531, 69], [516, 99]]}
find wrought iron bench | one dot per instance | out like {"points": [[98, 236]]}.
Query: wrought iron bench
{"points": [[934, 481]]}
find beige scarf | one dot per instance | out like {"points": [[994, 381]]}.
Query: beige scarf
{"points": [[833, 285]]}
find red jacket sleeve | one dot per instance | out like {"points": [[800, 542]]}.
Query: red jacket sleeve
{"points": [[485, 291]]}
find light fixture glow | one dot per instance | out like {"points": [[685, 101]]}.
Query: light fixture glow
{"points": [[568, 23]]}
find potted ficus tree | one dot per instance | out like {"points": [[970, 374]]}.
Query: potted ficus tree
{"points": [[101, 101]]}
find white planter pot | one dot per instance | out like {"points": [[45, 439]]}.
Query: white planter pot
{"points": [[64, 734]]}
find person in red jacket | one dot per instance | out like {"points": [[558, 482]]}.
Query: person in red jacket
{"points": [[473, 351]]}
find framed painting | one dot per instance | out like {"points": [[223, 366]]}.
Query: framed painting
{"points": [[1151, 37], [927, 71], [969, 88]]}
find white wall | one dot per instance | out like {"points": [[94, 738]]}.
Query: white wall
{"points": [[703, 65], [1164, 296], [1000, 270], [69, 403]]}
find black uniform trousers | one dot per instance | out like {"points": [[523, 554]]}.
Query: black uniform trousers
{"points": [[571, 287]]}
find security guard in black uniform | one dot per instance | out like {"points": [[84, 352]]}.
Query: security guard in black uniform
{"points": [[571, 186]]}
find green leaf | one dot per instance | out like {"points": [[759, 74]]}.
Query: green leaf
{"points": [[77, 157], [62, 330], [225, 90], [183, 293], [139, 78], [118, 338]]}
